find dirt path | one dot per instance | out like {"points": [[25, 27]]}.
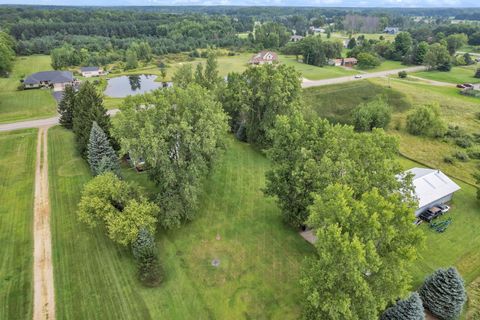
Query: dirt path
{"points": [[43, 290]]}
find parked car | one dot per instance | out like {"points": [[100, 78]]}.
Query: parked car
{"points": [[444, 208], [468, 85], [430, 214], [461, 86], [358, 76]]}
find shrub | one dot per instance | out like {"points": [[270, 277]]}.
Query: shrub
{"points": [[374, 114], [144, 244], [474, 152], [477, 73], [449, 159], [408, 309], [144, 250], [443, 294], [425, 120], [402, 74], [462, 156], [464, 142]]}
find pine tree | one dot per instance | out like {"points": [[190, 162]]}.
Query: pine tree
{"points": [[100, 154], [66, 107], [443, 294], [408, 309], [144, 244], [88, 108]]}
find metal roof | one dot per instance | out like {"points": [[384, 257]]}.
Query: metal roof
{"points": [[431, 185], [87, 69], [49, 76]]}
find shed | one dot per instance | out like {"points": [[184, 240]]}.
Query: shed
{"points": [[432, 187]]}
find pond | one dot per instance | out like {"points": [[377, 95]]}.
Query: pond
{"points": [[121, 87]]}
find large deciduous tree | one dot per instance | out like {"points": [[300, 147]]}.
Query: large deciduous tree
{"points": [[437, 57], [364, 247], [309, 156], [66, 107], [426, 120], [254, 99], [271, 35], [7, 54], [100, 154], [374, 114], [88, 109], [117, 205], [443, 294], [178, 133]]}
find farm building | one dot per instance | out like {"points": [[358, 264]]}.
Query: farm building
{"points": [[263, 57], [55, 79], [295, 38], [88, 72], [432, 187]]}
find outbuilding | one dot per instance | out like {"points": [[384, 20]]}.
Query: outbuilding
{"points": [[432, 187], [88, 72]]}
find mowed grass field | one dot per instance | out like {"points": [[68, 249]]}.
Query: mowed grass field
{"points": [[17, 172], [464, 74], [259, 257], [27, 104]]}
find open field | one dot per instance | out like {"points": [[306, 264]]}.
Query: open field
{"points": [[28, 104], [17, 171], [316, 73], [463, 74], [386, 65], [260, 257], [337, 102], [368, 36]]}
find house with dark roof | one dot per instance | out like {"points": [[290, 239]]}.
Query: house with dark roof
{"points": [[88, 72], [391, 30], [57, 80], [263, 57]]}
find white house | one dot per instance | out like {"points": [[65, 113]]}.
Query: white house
{"points": [[88, 72], [432, 187], [263, 57]]}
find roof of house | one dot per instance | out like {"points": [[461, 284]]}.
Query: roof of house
{"points": [[263, 56], [49, 76], [87, 69], [296, 36], [349, 60], [431, 185]]}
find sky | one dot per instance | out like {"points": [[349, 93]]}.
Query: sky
{"points": [[315, 3]]}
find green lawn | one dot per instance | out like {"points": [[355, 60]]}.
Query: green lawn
{"points": [[336, 102], [314, 72], [386, 65], [260, 257], [456, 75], [28, 104], [17, 171]]}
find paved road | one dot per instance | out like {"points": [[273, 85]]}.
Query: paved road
{"points": [[38, 123], [305, 84], [317, 83]]}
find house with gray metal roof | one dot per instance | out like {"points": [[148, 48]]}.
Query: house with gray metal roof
{"points": [[88, 72], [52, 79], [432, 187]]}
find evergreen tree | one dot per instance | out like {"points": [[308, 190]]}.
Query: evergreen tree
{"points": [[408, 309], [66, 107], [144, 244], [88, 108], [100, 154], [477, 73], [443, 294]]}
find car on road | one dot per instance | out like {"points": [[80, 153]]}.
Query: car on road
{"points": [[468, 85], [461, 86], [430, 214], [358, 76]]}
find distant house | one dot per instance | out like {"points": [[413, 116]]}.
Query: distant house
{"points": [[57, 80], [315, 30], [264, 57], [343, 62], [295, 38], [88, 72], [391, 30], [432, 187]]}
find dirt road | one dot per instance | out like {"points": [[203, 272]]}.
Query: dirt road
{"points": [[43, 289]]}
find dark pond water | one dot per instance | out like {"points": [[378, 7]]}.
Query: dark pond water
{"points": [[123, 86]]}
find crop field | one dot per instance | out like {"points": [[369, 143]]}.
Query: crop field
{"points": [[27, 104], [259, 256], [17, 171]]}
